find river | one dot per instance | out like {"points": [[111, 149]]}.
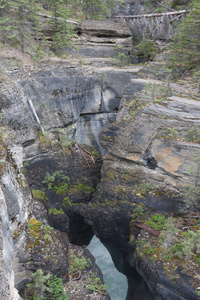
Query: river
{"points": [[116, 281]]}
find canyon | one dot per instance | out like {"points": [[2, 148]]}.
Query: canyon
{"points": [[78, 121]]}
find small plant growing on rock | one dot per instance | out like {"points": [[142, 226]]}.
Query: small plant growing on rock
{"points": [[168, 133], [193, 134], [146, 49], [42, 105], [66, 202], [56, 289], [78, 263], [47, 238], [37, 288], [197, 79], [38, 194], [94, 284], [138, 212], [122, 59], [56, 176], [44, 287], [149, 249], [157, 221], [34, 227], [56, 212], [134, 106], [82, 61], [26, 163], [168, 235], [47, 229]]}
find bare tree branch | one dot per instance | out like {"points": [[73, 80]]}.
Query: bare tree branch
{"points": [[170, 9]]}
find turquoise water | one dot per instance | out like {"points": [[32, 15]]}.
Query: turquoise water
{"points": [[116, 281]]}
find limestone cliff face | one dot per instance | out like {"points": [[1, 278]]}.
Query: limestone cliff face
{"points": [[157, 144], [65, 98], [147, 162], [99, 39], [52, 102], [15, 196]]}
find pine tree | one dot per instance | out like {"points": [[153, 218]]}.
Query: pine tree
{"points": [[168, 235], [186, 44], [27, 22], [97, 8], [6, 20], [62, 30]]}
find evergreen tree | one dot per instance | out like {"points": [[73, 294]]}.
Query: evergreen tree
{"points": [[168, 235], [62, 30], [186, 44], [4, 20], [27, 21], [7, 20], [97, 8], [36, 289]]}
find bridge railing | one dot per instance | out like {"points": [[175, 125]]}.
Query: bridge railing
{"points": [[181, 12]]}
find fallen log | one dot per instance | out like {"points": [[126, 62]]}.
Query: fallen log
{"points": [[147, 228]]}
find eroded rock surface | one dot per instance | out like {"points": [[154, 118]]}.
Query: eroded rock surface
{"points": [[23, 148]]}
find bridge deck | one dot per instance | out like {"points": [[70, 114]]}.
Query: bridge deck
{"points": [[181, 12]]}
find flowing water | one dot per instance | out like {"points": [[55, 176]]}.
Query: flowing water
{"points": [[116, 281]]}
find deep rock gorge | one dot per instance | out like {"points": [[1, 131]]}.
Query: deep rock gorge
{"points": [[58, 118]]}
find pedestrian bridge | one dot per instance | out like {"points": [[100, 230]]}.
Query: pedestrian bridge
{"points": [[157, 26]]}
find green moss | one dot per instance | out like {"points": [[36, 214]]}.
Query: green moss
{"points": [[56, 212], [110, 175], [47, 238], [37, 233], [33, 233], [66, 202], [38, 194], [61, 188], [81, 187], [34, 227]]}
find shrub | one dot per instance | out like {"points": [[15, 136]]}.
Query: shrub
{"points": [[78, 263], [193, 134], [157, 221], [45, 287], [146, 49]]}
